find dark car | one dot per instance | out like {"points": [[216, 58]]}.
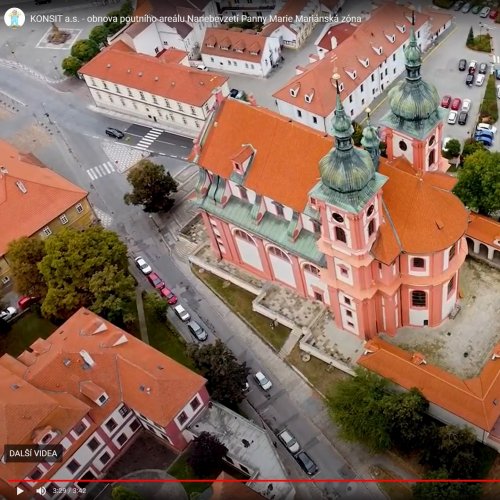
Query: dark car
{"points": [[458, 5], [469, 79], [197, 331], [307, 463], [466, 8], [462, 117], [476, 9], [497, 74], [115, 133], [483, 68], [156, 281], [233, 93], [462, 64]]}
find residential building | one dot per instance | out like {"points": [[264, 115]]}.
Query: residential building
{"points": [[181, 25], [379, 241], [369, 57], [293, 22], [250, 451], [240, 51], [483, 238], [248, 8], [225, 488], [35, 202], [161, 90], [90, 387]]}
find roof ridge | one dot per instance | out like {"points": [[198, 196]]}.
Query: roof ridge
{"points": [[391, 224]]}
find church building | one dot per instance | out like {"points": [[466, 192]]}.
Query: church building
{"points": [[380, 241]]}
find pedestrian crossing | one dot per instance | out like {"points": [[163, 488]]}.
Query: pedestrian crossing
{"points": [[496, 59], [101, 170], [149, 138]]}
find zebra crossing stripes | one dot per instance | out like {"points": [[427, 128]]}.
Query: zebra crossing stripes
{"points": [[496, 59], [149, 138], [101, 170]]}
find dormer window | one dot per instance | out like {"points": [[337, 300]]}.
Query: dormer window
{"points": [[378, 50], [401, 27], [351, 73], [341, 86], [294, 91], [309, 97], [364, 62], [391, 38]]}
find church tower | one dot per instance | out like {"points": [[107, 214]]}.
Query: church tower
{"points": [[371, 140], [414, 125], [348, 198]]}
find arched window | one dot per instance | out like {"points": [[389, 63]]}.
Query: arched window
{"points": [[418, 298], [309, 268], [278, 253], [432, 140], [337, 217], [452, 253], [418, 262], [340, 234], [371, 227], [370, 210], [244, 236], [432, 157]]}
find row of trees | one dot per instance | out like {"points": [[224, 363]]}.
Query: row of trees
{"points": [[85, 50], [367, 411]]}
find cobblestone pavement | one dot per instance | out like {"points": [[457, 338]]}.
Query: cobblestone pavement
{"points": [[122, 157], [106, 219]]}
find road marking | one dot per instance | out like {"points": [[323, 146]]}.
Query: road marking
{"points": [[185, 147], [100, 170], [496, 59], [13, 98]]}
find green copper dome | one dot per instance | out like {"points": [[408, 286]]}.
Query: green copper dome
{"points": [[370, 138]]}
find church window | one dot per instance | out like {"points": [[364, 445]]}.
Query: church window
{"points": [[279, 209], [337, 217], [418, 298], [308, 268], [432, 157], [316, 226], [244, 236], [452, 253], [451, 285], [418, 262], [432, 140], [370, 210], [278, 253], [340, 234], [349, 313], [344, 271], [243, 193], [403, 146], [371, 227]]}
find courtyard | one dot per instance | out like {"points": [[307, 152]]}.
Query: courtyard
{"points": [[462, 345]]}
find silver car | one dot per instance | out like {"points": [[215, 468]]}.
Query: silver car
{"points": [[181, 313], [197, 331], [8, 313], [287, 438], [263, 381]]}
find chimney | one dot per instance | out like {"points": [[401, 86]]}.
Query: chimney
{"points": [[87, 358], [251, 100]]}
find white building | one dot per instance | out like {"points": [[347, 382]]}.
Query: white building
{"points": [[161, 90], [368, 57], [190, 18], [248, 8], [240, 51], [294, 22]]}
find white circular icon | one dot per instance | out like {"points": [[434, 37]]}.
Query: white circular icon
{"points": [[14, 18]]}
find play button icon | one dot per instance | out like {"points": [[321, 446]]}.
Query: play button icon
{"points": [[19, 490]]}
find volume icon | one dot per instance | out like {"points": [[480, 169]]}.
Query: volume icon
{"points": [[41, 491]]}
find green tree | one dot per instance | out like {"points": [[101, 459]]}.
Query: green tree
{"points": [[84, 50], [355, 406], [151, 187], [99, 34], [121, 493], [478, 183], [206, 454], [226, 377], [471, 146], [444, 490], [76, 264], [453, 148], [156, 304], [470, 38], [114, 22], [406, 416], [24, 256], [127, 9], [71, 65]]}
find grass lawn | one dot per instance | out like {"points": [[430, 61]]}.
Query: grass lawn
{"points": [[317, 372], [24, 332], [240, 301], [481, 43], [395, 491], [489, 106], [180, 469]]}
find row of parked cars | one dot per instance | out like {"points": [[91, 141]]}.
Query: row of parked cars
{"points": [[303, 459], [483, 10]]}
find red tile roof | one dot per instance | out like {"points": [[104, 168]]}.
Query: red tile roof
{"points": [[47, 196], [475, 400], [232, 490], [484, 229], [172, 55], [340, 32], [117, 64], [371, 33]]}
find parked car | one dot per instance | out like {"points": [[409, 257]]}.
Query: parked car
{"points": [[8, 313], [466, 8], [202, 67], [472, 66], [462, 64], [462, 117], [480, 80], [307, 463], [456, 103], [452, 117], [466, 105], [197, 331], [458, 5], [486, 126], [497, 73], [263, 381], [483, 68], [25, 301], [469, 79], [485, 12], [233, 93], [484, 139], [115, 133], [169, 295], [476, 9], [287, 438], [445, 101], [143, 265], [484, 134], [181, 313], [493, 14], [156, 281], [498, 91]]}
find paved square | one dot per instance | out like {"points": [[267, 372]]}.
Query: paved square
{"points": [[122, 157]]}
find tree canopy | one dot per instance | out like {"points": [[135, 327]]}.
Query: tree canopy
{"points": [[226, 377], [453, 148], [99, 34], [84, 50], [24, 255], [478, 183], [444, 490], [71, 65], [206, 454], [151, 187], [119, 492]]}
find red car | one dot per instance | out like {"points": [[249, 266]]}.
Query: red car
{"points": [[445, 101], [169, 295], [456, 103], [24, 302], [156, 281], [493, 14]]}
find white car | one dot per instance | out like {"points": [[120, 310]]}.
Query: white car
{"points": [[452, 117], [8, 313], [480, 80], [486, 126], [287, 438], [182, 313], [143, 265], [466, 105], [263, 381]]}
